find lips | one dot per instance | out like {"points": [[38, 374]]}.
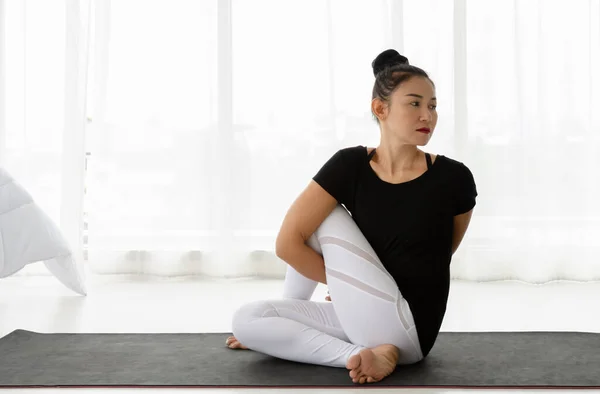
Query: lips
{"points": [[424, 130]]}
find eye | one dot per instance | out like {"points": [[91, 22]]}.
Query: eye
{"points": [[415, 103], [433, 106]]}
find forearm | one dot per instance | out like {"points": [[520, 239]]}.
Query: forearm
{"points": [[455, 244], [304, 259]]}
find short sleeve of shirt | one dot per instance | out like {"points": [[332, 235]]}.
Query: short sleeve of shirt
{"points": [[465, 191], [335, 177]]}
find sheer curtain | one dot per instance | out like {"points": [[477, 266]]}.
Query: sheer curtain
{"points": [[532, 136], [43, 80], [208, 118]]}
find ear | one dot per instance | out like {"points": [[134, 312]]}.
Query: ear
{"points": [[379, 108]]}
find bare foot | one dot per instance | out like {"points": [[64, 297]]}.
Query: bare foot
{"points": [[233, 343], [372, 365]]}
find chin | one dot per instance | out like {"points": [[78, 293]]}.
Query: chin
{"points": [[426, 141]]}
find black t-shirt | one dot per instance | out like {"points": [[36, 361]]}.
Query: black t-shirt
{"points": [[409, 225]]}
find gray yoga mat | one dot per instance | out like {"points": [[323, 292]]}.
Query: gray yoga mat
{"points": [[473, 359]]}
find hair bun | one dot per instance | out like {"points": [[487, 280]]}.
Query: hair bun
{"points": [[387, 58]]}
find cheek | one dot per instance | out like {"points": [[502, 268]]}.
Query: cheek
{"points": [[404, 119], [404, 114]]}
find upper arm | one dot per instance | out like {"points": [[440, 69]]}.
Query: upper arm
{"points": [[461, 223], [331, 185], [304, 216], [465, 193]]}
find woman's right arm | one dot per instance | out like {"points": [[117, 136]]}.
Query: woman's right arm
{"points": [[305, 215]]}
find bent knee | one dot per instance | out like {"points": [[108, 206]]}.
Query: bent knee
{"points": [[243, 318]]}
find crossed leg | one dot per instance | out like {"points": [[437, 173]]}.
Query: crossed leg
{"points": [[367, 323]]}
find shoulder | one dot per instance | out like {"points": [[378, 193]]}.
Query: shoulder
{"points": [[450, 162], [352, 155], [458, 172], [453, 164], [357, 151], [343, 161]]}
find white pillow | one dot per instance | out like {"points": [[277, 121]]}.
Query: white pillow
{"points": [[28, 235]]}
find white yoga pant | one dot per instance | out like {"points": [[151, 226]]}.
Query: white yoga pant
{"points": [[366, 308]]}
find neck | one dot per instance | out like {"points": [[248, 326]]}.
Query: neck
{"points": [[397, 158]]}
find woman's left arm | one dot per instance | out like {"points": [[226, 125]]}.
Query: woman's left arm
{"points": [[461, 223]]}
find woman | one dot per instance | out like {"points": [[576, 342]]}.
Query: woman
{"points": [[384, 255]]}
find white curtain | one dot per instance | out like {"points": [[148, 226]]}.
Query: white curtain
{"points": [[43, 79], [207, 118]]}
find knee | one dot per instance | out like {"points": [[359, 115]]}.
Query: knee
{"points": [[241, 324], [314, 244], [339, 221]]}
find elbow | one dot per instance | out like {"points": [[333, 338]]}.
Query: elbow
{"points": [[281, 247], [284, 244], [278, 250]]}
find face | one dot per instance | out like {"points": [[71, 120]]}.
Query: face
{"points": [[412, 107]]}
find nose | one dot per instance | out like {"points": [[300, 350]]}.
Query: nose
{"points": [[426, 115]]}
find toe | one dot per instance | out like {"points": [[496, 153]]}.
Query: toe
{"points": [[353, 362], [232, 344]]}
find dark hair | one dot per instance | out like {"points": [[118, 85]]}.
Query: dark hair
{"points": [[391, 69]]}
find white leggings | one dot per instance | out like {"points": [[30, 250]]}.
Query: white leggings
{"points": [[366, 308]]}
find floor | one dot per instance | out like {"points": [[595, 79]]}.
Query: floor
{"points": [[123, 304]]}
